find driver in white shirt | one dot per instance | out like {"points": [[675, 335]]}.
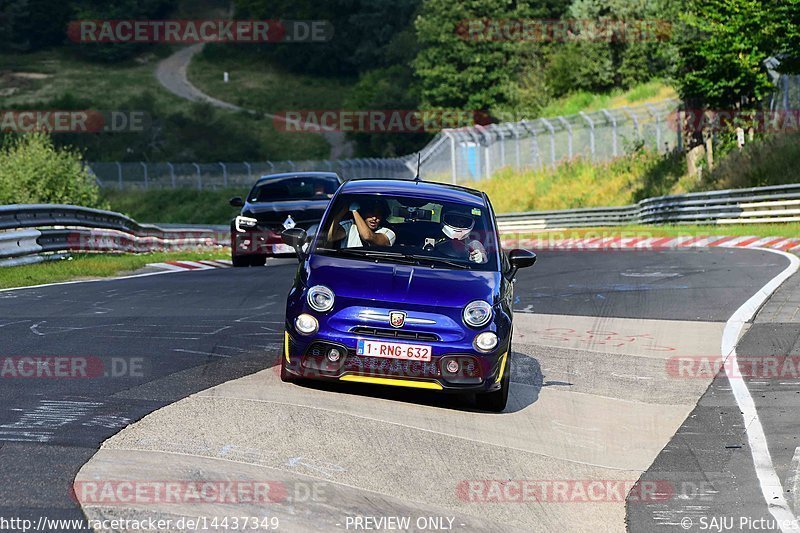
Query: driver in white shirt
{"points": [[365, 229]]}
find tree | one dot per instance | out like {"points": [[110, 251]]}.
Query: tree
{"points": [[32, 170], [457, 70]]}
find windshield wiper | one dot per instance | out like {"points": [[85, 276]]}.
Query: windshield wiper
{"points": [[376, 254], [437, 261]]}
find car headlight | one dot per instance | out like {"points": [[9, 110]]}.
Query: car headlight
{"points": [[477, 314], [245, 222], [306, 324], [486, 341], [320, 298]]}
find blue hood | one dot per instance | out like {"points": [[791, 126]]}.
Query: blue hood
{"points": [[404, 285]]}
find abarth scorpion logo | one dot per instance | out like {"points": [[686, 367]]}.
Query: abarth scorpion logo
{"points": [[397, 319]]}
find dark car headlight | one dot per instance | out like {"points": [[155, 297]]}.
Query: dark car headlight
{"points": [[320, 298], [243, 223], [477, 314]]}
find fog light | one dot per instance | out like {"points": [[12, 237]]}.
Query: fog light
{"points": [[452, 366], [486, 341], [334, 354], [306, 324]]}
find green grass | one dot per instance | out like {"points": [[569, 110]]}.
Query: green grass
{"points": [[93, 266], [182, 206], [652, 91], [581, 183], [58, 78], [788, 230], [254, 84]]}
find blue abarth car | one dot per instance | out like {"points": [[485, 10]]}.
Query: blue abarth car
{"points": [[405, 284]]}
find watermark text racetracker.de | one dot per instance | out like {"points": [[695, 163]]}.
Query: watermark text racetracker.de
{"points": [[72, 367], [200, 31], [377, 120], [740, 367], [73, 121]]}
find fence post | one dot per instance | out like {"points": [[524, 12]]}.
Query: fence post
{"points": [[515, 130], [271, 167], [224, 174], [478, 158], [534, 143], [172, 174], [655, 114], [119, 174], [199, 177], [568, 127], [450, 135], [146, 183], [613, 121], [589, 121], [487, 160], [636, 131], [552, 131], [291, 164], [495, 128], [249, 170]]}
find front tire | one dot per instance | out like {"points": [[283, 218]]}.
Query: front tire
{"points": [[239, 261], [495, 402], [258, 260]]}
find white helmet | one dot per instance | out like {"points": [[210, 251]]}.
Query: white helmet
{"points": [[457, 225]]}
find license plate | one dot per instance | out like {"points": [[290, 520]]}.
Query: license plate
{"points": [[394, 350], [282, 249]]}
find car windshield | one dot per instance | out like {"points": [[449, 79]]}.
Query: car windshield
{"points": [[409, 231], [294, 188]]}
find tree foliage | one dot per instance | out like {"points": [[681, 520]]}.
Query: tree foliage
{"points": [[32, 170], [723, 47]]}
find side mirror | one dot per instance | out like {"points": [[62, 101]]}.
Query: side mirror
{"points": [[296, 238], [520, 259], [236, 201]]}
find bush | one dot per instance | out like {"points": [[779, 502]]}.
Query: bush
{"points": [[32, 170]]}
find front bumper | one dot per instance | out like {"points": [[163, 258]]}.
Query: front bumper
{"points": [[307, 357], [258, 242]]}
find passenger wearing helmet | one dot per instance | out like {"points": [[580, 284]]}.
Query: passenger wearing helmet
{"points": [[366, 228], [457, 227]]}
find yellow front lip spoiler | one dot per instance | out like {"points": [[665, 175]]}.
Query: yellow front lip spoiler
{"points": [[432, 385]]}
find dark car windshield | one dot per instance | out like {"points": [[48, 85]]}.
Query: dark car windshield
{"points": [[294, 188], [409, 231]]}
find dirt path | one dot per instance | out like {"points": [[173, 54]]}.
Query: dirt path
{"points": [[171, 74]]}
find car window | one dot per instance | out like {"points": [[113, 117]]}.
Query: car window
{"points": [[440, 234], [294, 188]]}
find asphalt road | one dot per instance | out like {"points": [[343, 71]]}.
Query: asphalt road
{"points": [[165, 337]]}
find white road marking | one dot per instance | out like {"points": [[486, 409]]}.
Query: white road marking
{"points": [[770, 483]]}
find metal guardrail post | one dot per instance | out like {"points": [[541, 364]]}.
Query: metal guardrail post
{"points": [[568, 127], [592, 146], [172, 174], [613, 121], [552, 131]]}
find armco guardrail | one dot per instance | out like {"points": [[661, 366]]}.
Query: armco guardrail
{"points": [[780, 203], [36, 232]]}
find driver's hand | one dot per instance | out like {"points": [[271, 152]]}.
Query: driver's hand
{"points": [[476, 256]]}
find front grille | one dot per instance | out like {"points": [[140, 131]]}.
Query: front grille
{"points": [[396, 334]]}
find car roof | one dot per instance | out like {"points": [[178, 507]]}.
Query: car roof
{"points": [[416, 189], [309, 174]]}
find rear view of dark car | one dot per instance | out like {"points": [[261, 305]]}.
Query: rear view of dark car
{"points": [[275, 203]]}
